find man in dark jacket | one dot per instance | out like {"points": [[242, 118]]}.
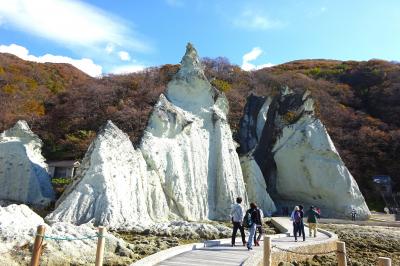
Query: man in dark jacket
{"points": [[312, 216], [254, 220], [301, 225]]}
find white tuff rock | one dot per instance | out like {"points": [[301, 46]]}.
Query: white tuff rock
{"points": [[310, 170], [189, 169], [189, 143], [113, 186], [23, 171], [18, 226], [255, 185]]}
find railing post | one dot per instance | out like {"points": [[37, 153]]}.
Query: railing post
{"points": [[341, 253], [383, 261], [267, 251], [100, 246], [37, 246]]}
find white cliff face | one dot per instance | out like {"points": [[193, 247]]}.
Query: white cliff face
{"points": [[306, 167], [188, 142], [23, 171], [310, 170], [113, 186], [18, 226], [189, 168], [255, 185]]}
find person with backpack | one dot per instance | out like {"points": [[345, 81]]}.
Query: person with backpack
{"points": [[237, 219], [259, 229], [301, 225], [251, 219], [296, 219], [312, 216]]}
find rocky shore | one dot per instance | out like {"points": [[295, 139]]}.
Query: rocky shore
{"points": [[364, 244]]}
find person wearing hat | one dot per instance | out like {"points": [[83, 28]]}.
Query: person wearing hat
{"points": [[312, 216]]}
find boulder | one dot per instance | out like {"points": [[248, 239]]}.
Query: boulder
{"points": [[24, 174], [113, 186], [18, 226]]}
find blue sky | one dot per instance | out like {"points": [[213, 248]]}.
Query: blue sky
{"points": [[121, 36]]}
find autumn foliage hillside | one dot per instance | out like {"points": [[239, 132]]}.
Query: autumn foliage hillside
{"points": [[359, 102]]}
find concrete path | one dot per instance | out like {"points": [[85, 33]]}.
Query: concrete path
{"points": [[224, 254]]}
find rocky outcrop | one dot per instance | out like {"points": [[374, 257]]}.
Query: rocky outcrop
{"points": [[23, 171], [299, 161], [186, 167], [113, 186], [255, 185], [18, 227], [189, 143]]}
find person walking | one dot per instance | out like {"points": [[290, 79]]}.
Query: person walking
{"points": [[259, 229], [251, 219], [295, 217], [301, 225], [312, 216], [353, 214], [237, 219]]}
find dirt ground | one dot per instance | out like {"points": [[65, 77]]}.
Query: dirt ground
{"points": [[364, 244]]}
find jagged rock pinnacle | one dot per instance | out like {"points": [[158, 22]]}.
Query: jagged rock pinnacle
{"points": [[190, 63]]}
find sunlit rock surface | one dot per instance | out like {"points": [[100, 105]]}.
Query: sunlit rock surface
{"points": [[18, 226], [113, 186], [255, 185], [23, 171], [189, 169], [298, 159], [189, 143]]}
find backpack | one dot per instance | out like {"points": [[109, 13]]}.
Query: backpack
{"points": [[297, 217], [248, 221]]}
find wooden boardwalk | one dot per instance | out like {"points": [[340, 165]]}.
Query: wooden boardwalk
{"points": [[224, 254]]}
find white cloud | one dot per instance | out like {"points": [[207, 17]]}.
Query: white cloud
{"points": [[109, 48], [124, 55], [84, 64], [175, 3], [127, 69], [70, 22], [253, 20], [251, 56]]}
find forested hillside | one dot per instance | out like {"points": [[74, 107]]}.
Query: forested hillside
{"points": [[359, 102]]}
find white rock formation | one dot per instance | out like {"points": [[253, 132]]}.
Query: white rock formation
{"points": [[189, 170], [23, 171], [18, 226], [113, 186], [309, 169], [255, 185], [189, 143]]}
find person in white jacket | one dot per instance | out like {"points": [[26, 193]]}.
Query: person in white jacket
{"points": [[237, 221]]}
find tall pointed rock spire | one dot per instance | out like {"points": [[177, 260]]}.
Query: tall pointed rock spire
{"points": [[190, 64]]}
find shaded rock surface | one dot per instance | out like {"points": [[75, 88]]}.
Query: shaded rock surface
{"points": [[298, 158], [23, 170], [256, 186]]}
